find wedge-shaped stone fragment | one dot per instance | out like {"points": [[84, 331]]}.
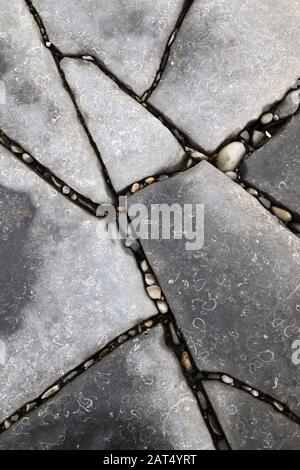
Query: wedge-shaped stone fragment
{"points": [[66, 291], [129, 37], [133, 143], [237, 298], [275, 168], [230, 61], [250, 424], [37, 111], [134, 399]]}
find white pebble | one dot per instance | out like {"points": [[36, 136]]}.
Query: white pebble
{"points": [[50, 392], [150, 279], [135, 187], [27, 158], [154, 292], [227, 380], [16, 149], [162, 306], [66, 190], [144, 266], [266, 118], [230, 156]]}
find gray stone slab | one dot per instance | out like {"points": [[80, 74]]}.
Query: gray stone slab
{"points": [[37, 111], [250, 424], [65, 290], [237, 298], [275, 168], [136, 398], [133, 143], [129, 37], [230, 61]]}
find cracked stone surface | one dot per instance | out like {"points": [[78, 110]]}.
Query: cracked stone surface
{"points": [[230, 60], [237, 298], [58, 302], [250, 424], [275, 168], [136, 398], [37, 111], [133, 143], [129, 37]]}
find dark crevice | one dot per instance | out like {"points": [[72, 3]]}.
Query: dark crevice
{"points": [[60, 186], [186, 7], [71, 375]]}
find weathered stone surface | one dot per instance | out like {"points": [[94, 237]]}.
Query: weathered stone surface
{"points": [[250, 424], [128, 36], [38, 112], [65, 291], [230, 60], [133, 143], [237, 298], [135, 398], [275, 168]]}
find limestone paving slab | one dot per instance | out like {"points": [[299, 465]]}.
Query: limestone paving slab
{"points": [[237, 298], [135, 398], [129, 37], [60, 300], [37, 111], [275, 168], [229, 62], [250, 424], [132, 142]]}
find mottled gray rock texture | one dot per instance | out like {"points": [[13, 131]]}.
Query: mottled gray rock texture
{"points": [[275, 168], [250, 424], [133, 143], [237, 298], [38, 112], [65, 290], [134, 399], [128, 36], [230, 61]]}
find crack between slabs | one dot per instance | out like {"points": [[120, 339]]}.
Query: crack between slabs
{"points": [[181, 137], [185, 9], [57, 183], [51, 391]]}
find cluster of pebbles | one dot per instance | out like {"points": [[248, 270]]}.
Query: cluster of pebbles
{"points": [[229, 157], [153, 289]]}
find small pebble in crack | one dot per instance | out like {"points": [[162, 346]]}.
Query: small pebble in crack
{"points": [[66, 190], [230, 156], [258, 138], [150, 279], [289, 105], [282, 214], [253, 192], [50, 392], [227, 380], [265, 202], [135, 188], [144, 266], [266, 119], [27, 158], [154, 292], [162, 306], [232, 175]]}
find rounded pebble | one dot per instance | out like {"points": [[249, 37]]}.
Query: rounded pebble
{"points": [[27, 158], [144, 266], [265, 202], [150, 180], [227, 380], [255, 393], [162, 306], [253, 192], [154, 292], [257, 138], [282, 214], [289, 105], [266, 119], [230, 156], [134, 188], [16, 149], [245, 136], [66, 190], [150, 279]]}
